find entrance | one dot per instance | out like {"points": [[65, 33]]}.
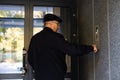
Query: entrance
{"points": [[17, 26]]}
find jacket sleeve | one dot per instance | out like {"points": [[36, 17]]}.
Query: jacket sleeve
{"points": [[30, 54], [72, 49]]}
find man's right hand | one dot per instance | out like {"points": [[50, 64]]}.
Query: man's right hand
{"points": [[95, 50]]}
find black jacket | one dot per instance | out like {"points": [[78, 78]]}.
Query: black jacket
{"points": [[46, 54]]}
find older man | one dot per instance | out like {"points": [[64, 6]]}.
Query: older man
{"points": [[47, 50]]}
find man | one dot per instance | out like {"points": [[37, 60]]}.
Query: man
{"points": [[47, 50]]}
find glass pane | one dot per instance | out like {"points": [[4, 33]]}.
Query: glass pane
{"points": [[10, 11], [11, 38], [38, 14]]}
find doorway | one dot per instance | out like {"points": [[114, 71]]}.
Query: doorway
{"points": [[17, 26]]}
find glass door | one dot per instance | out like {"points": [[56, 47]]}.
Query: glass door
{"points": [[11, 41]]}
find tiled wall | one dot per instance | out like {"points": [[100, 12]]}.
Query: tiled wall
{"points": [[106, 14], [114, 32]]}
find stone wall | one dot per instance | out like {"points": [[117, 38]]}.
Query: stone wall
{"points": [[106, 15]]}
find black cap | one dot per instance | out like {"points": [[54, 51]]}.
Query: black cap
{"points": [[51, 17]]}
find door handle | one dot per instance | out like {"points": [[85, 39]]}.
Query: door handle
{"points": [[24, 68]]}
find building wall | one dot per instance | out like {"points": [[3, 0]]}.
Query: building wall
{"points": [[105, 14]]}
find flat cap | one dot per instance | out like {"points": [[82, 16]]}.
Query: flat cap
{"points": [[51, 17]]}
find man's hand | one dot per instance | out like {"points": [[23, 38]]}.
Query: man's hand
{"points": [[95, 50]]}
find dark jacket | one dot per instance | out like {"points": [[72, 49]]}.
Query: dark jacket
{"points": [[46, 54]]}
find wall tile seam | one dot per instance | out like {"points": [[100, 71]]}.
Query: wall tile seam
{"points": [[93, 37], [108, 38]]}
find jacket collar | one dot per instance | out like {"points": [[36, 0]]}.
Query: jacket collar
{"points": [[48, 29]]}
